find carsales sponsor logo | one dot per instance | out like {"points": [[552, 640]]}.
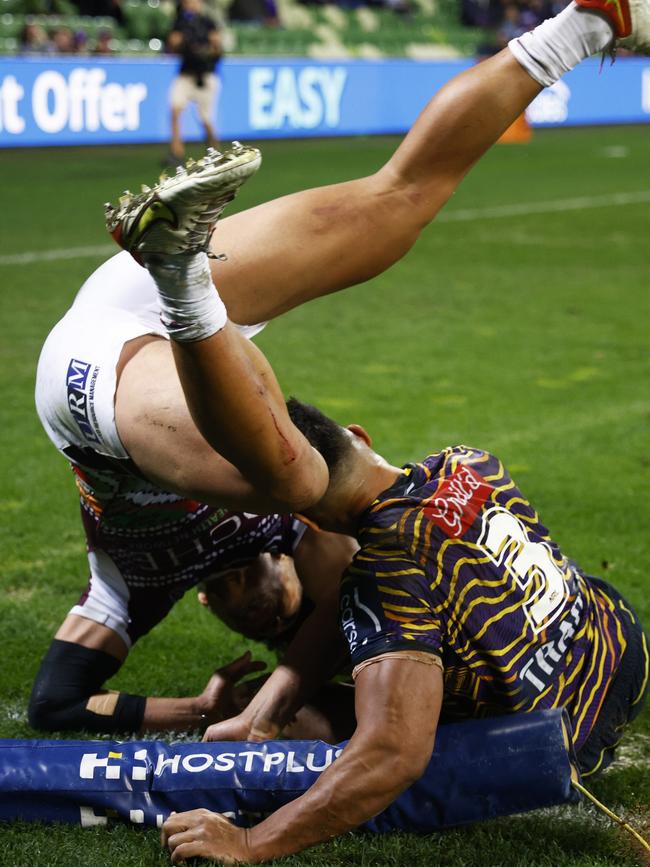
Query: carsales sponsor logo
{"points": [[457, 501]]}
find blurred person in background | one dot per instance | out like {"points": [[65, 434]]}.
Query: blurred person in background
{"points": [[80, 42], [63, 40], [511, 27], [103, 43], [533, 12], [196, 38], [33, 40], [480, 13]]}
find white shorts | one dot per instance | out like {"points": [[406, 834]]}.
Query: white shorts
{"points": [[106, 599], [75, 400], [185, 90], [75, 380]]}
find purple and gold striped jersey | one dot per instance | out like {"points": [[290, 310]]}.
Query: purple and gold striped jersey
{"points": [[455, 561]]}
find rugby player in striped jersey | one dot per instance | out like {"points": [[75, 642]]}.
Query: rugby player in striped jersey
{"points": [[459, 598], [197, 410], [457, 605]]}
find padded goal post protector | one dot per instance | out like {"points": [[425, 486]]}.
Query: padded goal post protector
{"points": [[479, 769]]}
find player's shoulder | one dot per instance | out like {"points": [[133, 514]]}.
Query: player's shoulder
{"points": [[455, 462], [448, 489]]}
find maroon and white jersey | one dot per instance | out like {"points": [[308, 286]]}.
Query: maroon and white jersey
{"points": [[146, 546]]}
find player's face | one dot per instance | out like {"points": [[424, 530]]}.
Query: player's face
{"points": [[259, 600]]}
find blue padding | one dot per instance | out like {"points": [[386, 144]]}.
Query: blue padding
{"points": [[479, 769]]}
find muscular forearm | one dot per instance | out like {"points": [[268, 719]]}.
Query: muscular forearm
{"points": [[397, 707], [360, 784], [237, 405]]}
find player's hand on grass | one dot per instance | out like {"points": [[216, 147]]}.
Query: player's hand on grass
{"points": [[203, 834], [242, 727], [224, 696]]}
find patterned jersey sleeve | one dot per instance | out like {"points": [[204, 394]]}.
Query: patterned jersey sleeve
{"points": [[383, 607]]}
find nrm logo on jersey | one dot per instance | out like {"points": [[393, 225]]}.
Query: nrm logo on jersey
{"points": [[81, 391]]}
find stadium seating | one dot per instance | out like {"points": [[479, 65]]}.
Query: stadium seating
{"points": [[431, 30]]}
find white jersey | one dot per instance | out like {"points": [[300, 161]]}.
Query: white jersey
{"points": [[75, 382], [146, 546]]}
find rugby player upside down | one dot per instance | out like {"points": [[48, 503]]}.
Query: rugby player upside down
{"points": [[220, 432]]}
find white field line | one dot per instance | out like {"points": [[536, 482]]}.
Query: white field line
{"points": [[52, 255], [461, 215], [523, 209]]}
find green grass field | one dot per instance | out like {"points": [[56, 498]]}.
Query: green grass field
{"points": [[525, 334]]}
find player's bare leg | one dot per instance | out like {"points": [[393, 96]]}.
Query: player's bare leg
{"points": [[299, 247], [210, 134], [291, 250], [228, 386], [313, 243]]}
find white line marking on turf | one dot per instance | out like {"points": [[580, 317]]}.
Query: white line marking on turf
{"points": [[53, 255], [523, 209], [461, 215]]}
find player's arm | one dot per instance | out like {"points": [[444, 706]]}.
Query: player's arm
{"points": [[69, 694], [397, 706], [240, 450], [316, 653]]}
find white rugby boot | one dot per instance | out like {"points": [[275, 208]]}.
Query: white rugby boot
{"points": [[179, 214]]}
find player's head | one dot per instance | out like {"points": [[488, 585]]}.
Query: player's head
{"points": [[348, 454], [325, 435], [259, 599]]}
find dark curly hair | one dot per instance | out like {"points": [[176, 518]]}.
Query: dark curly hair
{"points": [[324, 434]]}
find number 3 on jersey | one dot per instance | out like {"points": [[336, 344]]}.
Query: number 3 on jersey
{"points": [[505, 541]]}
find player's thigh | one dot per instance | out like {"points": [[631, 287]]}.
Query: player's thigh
{"points": [[159, 435], [96, 636], [312, 243]]}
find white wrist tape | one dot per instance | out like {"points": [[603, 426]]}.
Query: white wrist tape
{"points": [[190, 306]]}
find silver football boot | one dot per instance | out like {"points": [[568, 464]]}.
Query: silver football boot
{"points": [[179, 214]]}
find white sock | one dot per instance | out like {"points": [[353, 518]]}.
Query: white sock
{"points": [[558, 44], [191, 308]]}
